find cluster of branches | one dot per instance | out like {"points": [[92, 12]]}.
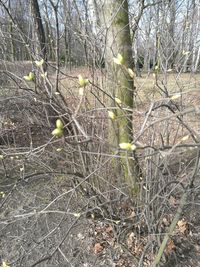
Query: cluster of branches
{"points": [[164, 33], [139, 33]]}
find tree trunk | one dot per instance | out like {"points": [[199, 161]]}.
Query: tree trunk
{"points": [[12, 47], [171, 44], [120, 85], [39, 32]]}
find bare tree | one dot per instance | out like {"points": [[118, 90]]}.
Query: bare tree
{"points": [[118, 41], [39, 32]]}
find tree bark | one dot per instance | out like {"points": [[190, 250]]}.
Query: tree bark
{"points": [[120, 84], [39, 32], [12, 47]]}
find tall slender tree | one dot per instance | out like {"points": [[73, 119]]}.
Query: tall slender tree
{"points": [[39, 32], [120, 85]]}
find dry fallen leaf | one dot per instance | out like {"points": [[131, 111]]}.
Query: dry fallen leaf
{"points": [[138, 248], [183, 226], [130, 240], [172, 201], [109, 229], [98, 248], [165, 222], [132, 214], [170, 246]]}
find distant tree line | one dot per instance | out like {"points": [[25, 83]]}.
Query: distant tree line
{"points": [[164, 33]]}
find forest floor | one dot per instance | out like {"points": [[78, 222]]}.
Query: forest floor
{"points": [[52, 214]]}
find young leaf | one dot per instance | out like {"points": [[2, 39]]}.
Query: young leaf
{"points": [[185, 53], [81, 91], [44, 75], [77, 215], [29, 77], [39, 63], [82, 81], [2, 194], [4, 264], [119, 60], [118, 101], [131, 73], [111, 115], [57, 132], [59, 124], [127, 146], [176, 96]]}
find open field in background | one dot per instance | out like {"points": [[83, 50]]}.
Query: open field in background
{"points": [[145, 85], [173, 81]]}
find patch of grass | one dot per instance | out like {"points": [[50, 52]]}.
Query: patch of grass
{"points": [[174, 82]]}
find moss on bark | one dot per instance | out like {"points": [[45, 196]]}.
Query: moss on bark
{"points": [[120, 85]]}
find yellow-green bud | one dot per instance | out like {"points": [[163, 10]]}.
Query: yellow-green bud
{"points": [[59, 124], [29, 77], [40, 62], [119, 60], [83, 82], [127, 146], [57, 132], [111, 115]]}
